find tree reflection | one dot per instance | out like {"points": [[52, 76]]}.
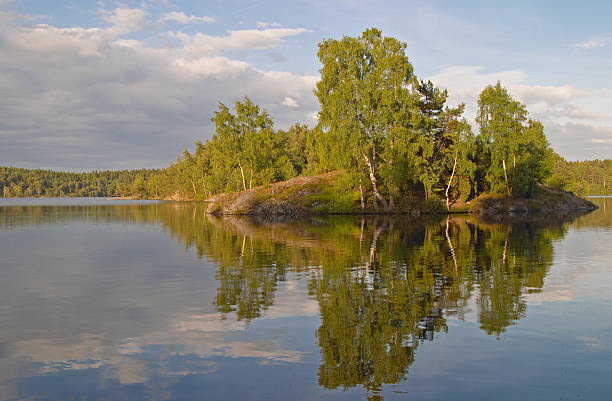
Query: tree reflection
{"points": [[384, 284]]}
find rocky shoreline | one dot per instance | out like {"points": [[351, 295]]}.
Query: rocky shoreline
{"points": [[314, 195], [546, 200]]}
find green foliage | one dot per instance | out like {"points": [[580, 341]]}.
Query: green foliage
{"points": [[367, 100], [591, 177], [20, 182], [334, 200], [432, 205], [393, 131], [517, 152]]}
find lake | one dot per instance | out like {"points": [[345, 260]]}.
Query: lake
{"points": [[129, 300]]}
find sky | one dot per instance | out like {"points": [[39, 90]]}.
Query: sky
{"points": [[95, 85]]}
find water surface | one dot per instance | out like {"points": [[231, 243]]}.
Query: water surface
{"points": [[150, 300]]}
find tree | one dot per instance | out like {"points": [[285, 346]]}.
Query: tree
{"points": [[518, 154], [457, 165], [367, 95], [295, 146], [435, 141], [248, 143]]}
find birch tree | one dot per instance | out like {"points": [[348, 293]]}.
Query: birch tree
{"points": [[518, 152], [241, 137], [366, 94]]}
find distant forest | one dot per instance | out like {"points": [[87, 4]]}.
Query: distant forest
{"points": [[392, 134], [21, 182], [591, 177]]}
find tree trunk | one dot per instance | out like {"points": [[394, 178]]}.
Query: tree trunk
{"points": [[450, 181], [377, 231], [506, 176], [361, 199], [242, 248], [392, 186], [251, 178], [242, 174], [361, 234], [513, 170], [450, 244], [372, 171]]}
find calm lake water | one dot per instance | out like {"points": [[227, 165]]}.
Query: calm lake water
{"points": [[108, 300]]}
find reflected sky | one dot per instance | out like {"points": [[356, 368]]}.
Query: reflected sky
{"points": [[131, 300]]}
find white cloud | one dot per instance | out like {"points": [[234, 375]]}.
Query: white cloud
{"points": [[580, 141], [131, 43], [248, 39], [45, 38], [219, 67], [552, 95], [595, 42], [165, 3], [6, 17], [182, 18], [125, 20], [601, 140], [261, 24], [80, 97], [575, 112], [470, 78], [289, 102]]}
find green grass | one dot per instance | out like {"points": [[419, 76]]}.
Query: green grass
{"points": [[332, 200]]}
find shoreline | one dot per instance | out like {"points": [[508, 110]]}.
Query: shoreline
{"points": [[316, 196], [319, 195]]}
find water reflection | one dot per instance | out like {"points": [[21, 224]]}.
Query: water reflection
{"points": [[379, 286], [384, 285]]}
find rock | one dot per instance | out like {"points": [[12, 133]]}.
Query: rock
{"points": [[289, 197], [545, 200], [518, 207]]}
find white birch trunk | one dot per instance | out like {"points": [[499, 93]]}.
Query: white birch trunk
{"points": [[361, 198], [242, 174], [450, 181], [506, 176], [450, 244], [372, 172]]}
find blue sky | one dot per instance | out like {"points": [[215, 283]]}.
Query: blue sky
{"points": [[109, 84]]}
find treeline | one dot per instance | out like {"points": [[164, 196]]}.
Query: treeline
{"points": [[591, 177], [245, 152], [393, 134], [21, 182]]}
